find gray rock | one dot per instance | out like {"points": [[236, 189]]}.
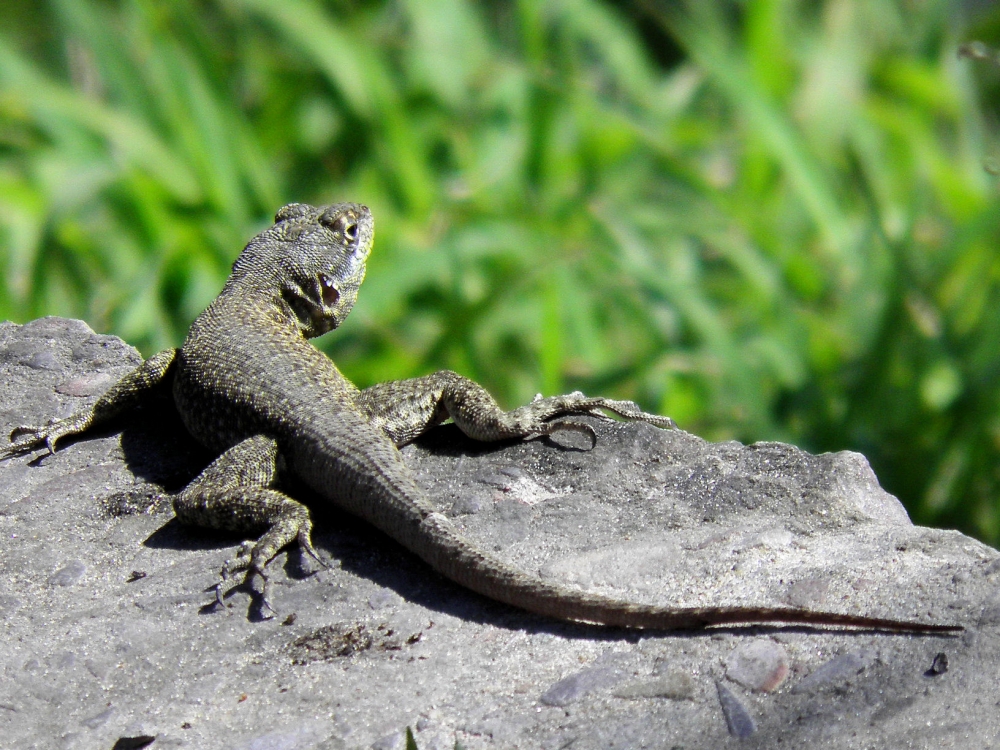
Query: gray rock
{"points": [[395, 741], [808, 593], [107, 633]]}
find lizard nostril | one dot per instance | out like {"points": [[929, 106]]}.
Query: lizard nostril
{"points": [[351, 231]]}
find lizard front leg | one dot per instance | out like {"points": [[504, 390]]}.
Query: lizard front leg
{"points": [[127, 393], [236, 492], [404, 409]]}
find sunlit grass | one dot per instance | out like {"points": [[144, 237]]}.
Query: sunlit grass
{"points": [[787, 234]]}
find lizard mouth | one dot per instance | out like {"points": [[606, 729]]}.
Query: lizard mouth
{"points": [[330, 293]]}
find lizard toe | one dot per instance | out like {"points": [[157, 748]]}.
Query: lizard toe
{"points": [[569, 425], [260, 586]]}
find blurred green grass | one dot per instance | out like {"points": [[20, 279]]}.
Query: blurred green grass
{"points": [[768, 219]]}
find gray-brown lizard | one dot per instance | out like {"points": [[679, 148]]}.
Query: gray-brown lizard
{"points": [[250, 386]]}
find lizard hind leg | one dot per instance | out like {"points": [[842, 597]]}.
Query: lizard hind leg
{"points": [[236, 492], [404, 409]]}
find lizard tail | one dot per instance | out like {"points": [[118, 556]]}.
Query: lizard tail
{"points": [[453, 557]]}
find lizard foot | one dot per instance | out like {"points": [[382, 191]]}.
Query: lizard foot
{"points": [[577, 402], [544, 410], [256, 579], [630, 410], [29, 437]]}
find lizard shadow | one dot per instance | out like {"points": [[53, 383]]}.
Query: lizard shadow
{"points": [[157, 447], [448, 441]]}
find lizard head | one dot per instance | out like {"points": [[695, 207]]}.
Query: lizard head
{"points": [[316, 256]]}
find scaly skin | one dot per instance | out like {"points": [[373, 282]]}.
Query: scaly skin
{"points": [[250, 386]]}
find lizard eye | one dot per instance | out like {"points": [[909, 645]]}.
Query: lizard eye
{"points": [[342, 222], [329, 291]]}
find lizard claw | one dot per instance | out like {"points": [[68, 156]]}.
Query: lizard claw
{"points": [[262, 603], [305, 545], [264, 610], [219, 595]]}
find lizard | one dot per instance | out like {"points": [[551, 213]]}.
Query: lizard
{"points": [[250, 386]]}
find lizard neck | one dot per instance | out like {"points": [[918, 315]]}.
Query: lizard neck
{"points": [[275, 378]]}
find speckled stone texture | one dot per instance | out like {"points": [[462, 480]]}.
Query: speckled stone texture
{"points": [[108, 633]]}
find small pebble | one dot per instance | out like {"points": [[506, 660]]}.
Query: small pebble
{"points": [[574, 687], [759, 665], [677, 687], [86, 385], [836, 669], [69, 574], [738, 719], [939, 666], [43, 361]]}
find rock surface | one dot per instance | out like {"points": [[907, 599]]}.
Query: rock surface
{"points": [[107, 634]]}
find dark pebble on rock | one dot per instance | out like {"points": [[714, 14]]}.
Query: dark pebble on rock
{"points": [[939, 666], [738, 719], [43, 361]]}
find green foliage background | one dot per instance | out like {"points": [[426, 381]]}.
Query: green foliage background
{"points": [[769, 219]]}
